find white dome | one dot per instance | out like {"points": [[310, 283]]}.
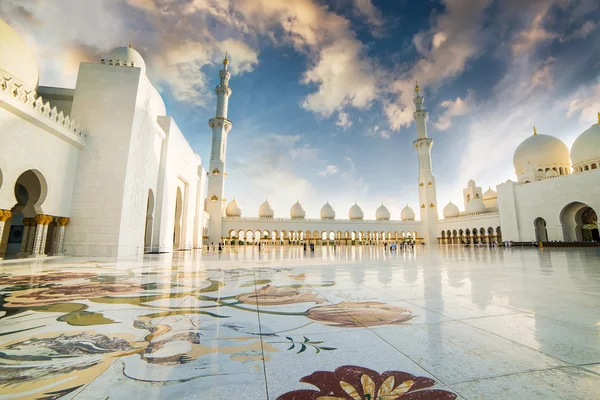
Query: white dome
{"points": [[407, 214], [551, 173], [327, 212], [297, 211], [355, 212], [382, 213], [471, 183], [490, 194], [475, 206], [265, 210], [451, 210], [16, 59], [128, 55], [542, 151], [586, 147], [233, 209]]}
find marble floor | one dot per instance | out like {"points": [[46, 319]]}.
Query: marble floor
{"points": [[354, 323]]}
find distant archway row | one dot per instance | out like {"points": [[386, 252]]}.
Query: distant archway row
{"points": [[471, 236], [318, 237], [25, 230], [579, 223]]}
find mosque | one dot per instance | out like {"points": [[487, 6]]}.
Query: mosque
{"points": [[102, 170]]}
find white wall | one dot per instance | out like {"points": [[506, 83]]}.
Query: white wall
{"points": [[312, 225], [105, 106], [181, 166], [546, 199], [470, 222], [26, 146], [142, 171]]}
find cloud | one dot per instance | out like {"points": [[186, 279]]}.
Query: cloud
{"points": [[586, 104], [444, 49], [268, 172], [582, 32], [534, 34], [179, 68], [329, 170], [343, 120], [377, 131], [454, 108], [543, 75], [339, 64], [373, 16]]}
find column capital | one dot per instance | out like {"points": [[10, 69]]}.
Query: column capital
{"points": [[28, 221], [42, 219], [63, 221], [4, 215]]}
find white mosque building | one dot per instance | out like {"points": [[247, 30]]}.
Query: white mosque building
{"points": [[102, 170]]}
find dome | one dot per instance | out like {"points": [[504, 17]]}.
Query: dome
{"points": [[541, 151], [233, 209], [297, 211], [382, 213], [16, 58], [407, 214], [475, 206], [355, 212], [471, 183], [490, 194], [551, 173], [128, 55], [586, 147], [265, 210], [327, 212], [451, 210]]}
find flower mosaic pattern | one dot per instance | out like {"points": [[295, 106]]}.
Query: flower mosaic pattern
{"points": [[351, 382], [276, 296], [67, 335], [359, 314]]}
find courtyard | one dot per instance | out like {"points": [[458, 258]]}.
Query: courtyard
{"points": [[346, 323]]}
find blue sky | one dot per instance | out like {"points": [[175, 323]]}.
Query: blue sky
{"points": [[322, 90]]}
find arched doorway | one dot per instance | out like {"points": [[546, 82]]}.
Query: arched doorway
{"points": [[178, 215], [30, 192], [149, 222], [580, 223], [541, 233]]}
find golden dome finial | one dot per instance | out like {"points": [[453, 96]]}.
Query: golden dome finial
{"points": [[599, 118], [226, 60], [130, 46], [534, 130], [417, 88]]}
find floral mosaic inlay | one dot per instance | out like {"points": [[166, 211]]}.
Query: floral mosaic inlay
{"points": [[351, 382]]}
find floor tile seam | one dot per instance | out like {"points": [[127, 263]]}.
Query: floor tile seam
{"points": [[393, 347], [588, 370], [438, 380], [513, 341], [121, 355], [562, 320], [532, 371], [491, 316], [430, 310], [262, 347], [586, 328]]}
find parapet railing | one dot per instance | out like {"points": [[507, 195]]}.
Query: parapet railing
{"points": [[30, 98]]}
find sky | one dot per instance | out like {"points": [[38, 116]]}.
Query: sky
{"points": [[322, 90]]}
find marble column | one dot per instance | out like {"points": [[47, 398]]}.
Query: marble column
{"points": [[4, 215], [38, 245], [60, 240], [28, 230]]}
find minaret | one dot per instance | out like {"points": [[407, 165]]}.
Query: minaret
{"points": [[427, 196], [216, 173]]}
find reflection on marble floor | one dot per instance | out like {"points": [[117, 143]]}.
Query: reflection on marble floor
{"points": [[354, 323]]}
